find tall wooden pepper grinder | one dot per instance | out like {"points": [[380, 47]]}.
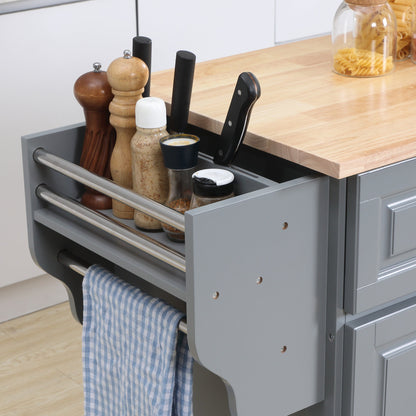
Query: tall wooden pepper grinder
{"points": [[93, 92], [127, 76]]}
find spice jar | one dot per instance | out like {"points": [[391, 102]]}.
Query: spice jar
{"points": [[211, 185], [180, 155], [150, 176], [364, 38], [404, 10]]}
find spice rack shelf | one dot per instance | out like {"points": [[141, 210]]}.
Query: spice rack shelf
{"points": [[235, 268]]}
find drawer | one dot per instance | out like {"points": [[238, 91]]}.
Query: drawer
{"points": [[380, 236], [254, 285], [380, 363]]}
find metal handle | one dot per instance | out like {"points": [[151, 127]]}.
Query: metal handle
{"points": [[107, 187], [114, 227], [67, 260]]}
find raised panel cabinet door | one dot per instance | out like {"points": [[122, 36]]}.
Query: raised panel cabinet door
{"points": [[380, 363], [381, 236]]}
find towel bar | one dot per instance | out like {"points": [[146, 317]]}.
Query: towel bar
{"points": [[107, 187], [114, 227], [76, 265]]}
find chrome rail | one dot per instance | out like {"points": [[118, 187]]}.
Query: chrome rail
{"points": [[107, 187], [67, 260], [113, 227]]}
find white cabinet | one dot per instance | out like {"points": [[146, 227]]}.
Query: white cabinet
{"points": [[210, 29], [303, 19], [43, 53]]}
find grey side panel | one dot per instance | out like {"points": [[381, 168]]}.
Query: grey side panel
{"points": [[381, 242], [256, 311], [335, 317]]}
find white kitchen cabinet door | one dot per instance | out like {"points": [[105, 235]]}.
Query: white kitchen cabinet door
{"points": [[304, 18], [43, 52], [210, 29]]}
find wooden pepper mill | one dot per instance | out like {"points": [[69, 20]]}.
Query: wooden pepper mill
{"points": [[127, 76], [93, 92]]}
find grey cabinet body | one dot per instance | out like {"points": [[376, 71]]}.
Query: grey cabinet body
{"points": [[281, 335]]}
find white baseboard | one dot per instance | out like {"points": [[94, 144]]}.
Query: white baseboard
{"points": [[30, 296]]}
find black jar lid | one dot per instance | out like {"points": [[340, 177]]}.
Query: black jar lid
{"points": [[180, 151], [213, 182]]}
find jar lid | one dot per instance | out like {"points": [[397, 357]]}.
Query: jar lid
{"points": [[150, 113], [180, 151], [365, 2], [213, 182]]}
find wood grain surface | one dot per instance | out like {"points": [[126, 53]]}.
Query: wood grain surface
{"points": [[336, 125], [41, 364]]}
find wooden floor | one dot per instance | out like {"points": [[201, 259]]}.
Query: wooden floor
{"points": [[41, 365]]}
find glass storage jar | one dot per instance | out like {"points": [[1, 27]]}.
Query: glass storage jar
{"points": [[211, 185], [364, 38], [180, 155], [404, 10]]}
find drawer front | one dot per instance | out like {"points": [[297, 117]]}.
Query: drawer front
{"points": [[381, 237], [380, 363], [256, 290]]}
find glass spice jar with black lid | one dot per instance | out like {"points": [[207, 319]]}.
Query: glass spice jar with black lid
{"points": [[211, 185], [180, 156]]}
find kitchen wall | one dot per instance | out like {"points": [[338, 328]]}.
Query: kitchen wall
{"points": [[44, 51], [217, 28]]}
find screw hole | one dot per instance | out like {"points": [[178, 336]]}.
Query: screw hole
{"points": [[285, 225], [283, 349], [215, 295], [259, 280]]}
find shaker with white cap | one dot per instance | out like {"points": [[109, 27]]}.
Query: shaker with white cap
{"points": [[211, 185], [150, 176]]}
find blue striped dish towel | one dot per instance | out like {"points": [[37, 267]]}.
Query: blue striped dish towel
{"points": [[135, 363]]}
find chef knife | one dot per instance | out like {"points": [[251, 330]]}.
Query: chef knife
{"points": [[246, 93], [142, 49], [182, 91]]}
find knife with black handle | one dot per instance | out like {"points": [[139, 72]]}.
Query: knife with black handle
{"points": [[142, 49], [246, 93], [181, 92]]}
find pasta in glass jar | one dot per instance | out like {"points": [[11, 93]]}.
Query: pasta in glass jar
{"points": [[364, 38], [404, 11]]}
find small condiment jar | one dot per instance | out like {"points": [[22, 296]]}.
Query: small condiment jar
{"points": [[364, 38], [211, 185], [180, 154], [149, 174]]}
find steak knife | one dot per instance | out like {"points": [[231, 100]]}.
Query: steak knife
{"points": [[246, 93]]}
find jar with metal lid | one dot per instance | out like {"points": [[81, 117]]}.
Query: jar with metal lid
{"points": [[364, 37], [211, 185], [180, 155]]}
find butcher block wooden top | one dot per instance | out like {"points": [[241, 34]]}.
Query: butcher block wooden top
{"points": [[307, 114]]}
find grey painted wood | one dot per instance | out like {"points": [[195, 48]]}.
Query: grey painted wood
{"points": [[335, 316], [380, 240], [237, 327], [380, 362]]}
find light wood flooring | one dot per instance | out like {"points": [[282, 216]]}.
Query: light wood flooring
{"points": [[41, 364]]}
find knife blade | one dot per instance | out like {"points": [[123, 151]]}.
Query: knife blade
{"points": [[181, 91], [246, 93]]}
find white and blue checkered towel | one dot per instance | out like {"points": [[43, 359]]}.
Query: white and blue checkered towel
{"points": [[134, 361]]}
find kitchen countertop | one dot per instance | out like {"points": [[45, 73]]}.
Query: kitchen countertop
{"points": [[336, 125]]}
